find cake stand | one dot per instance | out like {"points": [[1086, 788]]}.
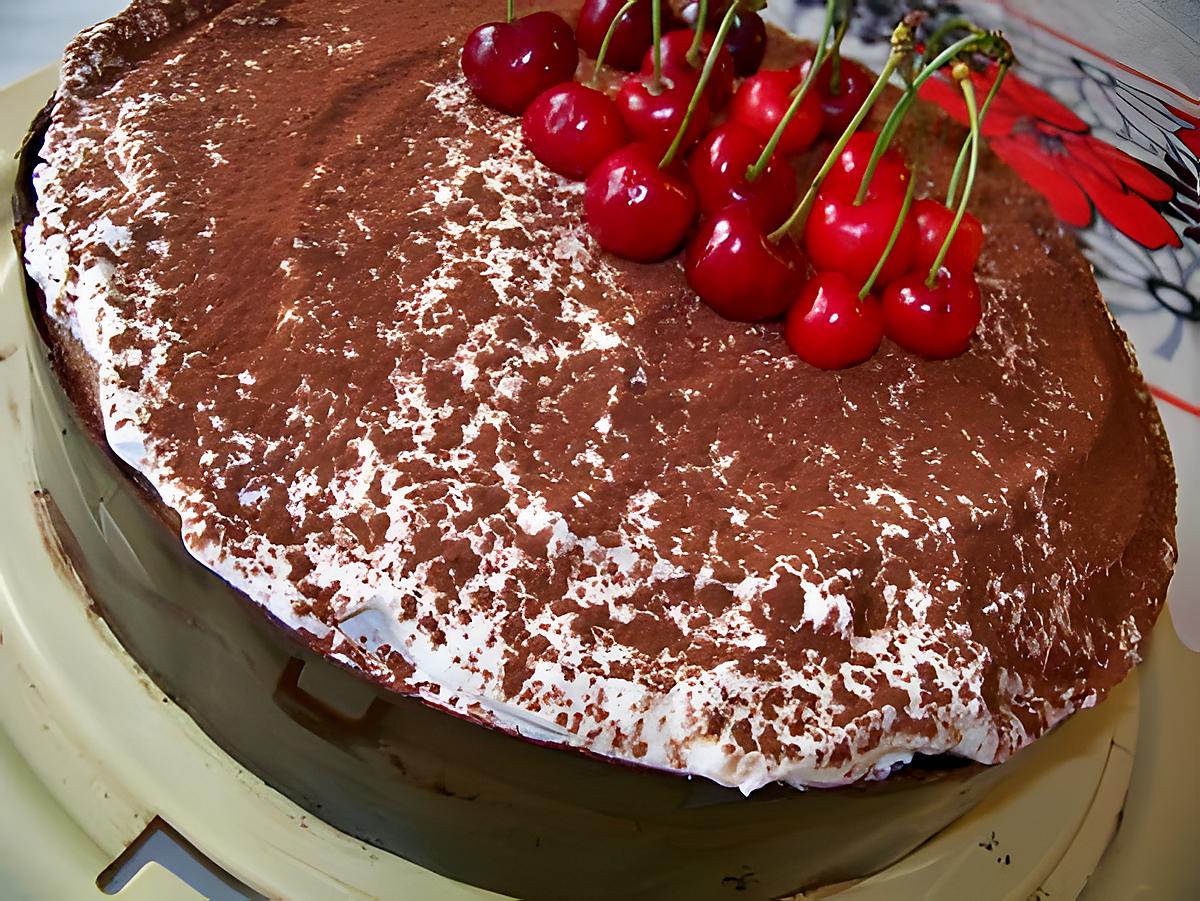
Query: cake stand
{"points": [[94, 757]]}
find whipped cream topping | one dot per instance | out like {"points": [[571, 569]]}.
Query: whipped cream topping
{"points": [[361, 342]]}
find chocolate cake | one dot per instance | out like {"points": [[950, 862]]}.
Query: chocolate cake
{"points": [[362, 349]]}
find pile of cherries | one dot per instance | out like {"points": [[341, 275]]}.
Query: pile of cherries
{"points": [[695, 148]]}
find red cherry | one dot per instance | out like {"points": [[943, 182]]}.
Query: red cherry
{"points": [[718, 168], [673, 49], [891, 174], [655, 118], [830, 327], [738, 271], [746, 41], [635, 209], [933, 222], [850, 239], [507, 64], [763, 99], [936, 322], [572, 127], [634, 33], [854, 84]]}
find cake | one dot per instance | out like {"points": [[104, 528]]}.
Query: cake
{"points": [[356, 345]]}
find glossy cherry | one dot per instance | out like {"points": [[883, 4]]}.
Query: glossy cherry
{"points": [[830, 327], [842, 237], [572, 127], [738, 271], [763, 99], [933, 221], [635, 209], [634, 33], [507, 64], [746, 41], [891, 174], [935, 322], [718, 169], [655, 117], [839, 106], [673, 50]]}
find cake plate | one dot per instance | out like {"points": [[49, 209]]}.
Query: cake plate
{"points": [[93, 756]]}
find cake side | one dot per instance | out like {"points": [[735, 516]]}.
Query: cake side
{"points": [[789, 586]]}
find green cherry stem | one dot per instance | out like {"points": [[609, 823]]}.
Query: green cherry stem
{"points": [[608, 36], [962, 74], [656, 26], [1001, 71], [892, 124], [939, 35], [693, 54], [887, 251], [710, 63], [508, 16], [835, 54], [901, 47], [805, 86]]}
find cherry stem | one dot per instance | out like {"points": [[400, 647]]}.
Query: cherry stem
{"points": [[608, 36], [901, 47], [760, 165], [962, 75], [835, 55], [1001, 71], [509, 12], [887, 251], [693, 54], [656, 27], [900, 110], [935, 39], [710, 63]]}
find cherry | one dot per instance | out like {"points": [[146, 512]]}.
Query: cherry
{"points": [[850, 239], [572, 127], [830, 327], [746, 41], [673, 50], [633, 34], [854, 84], [635, 209], [718, 169], [933, 221], [738, 271], [763, 99], [507, 64], [891, 174], [656, 117], [936, 322]]}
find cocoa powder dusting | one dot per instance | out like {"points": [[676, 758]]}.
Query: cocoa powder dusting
{"points": [[387, 379]]}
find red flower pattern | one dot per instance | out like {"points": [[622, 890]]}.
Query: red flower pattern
{"points": [[1056, 153]]}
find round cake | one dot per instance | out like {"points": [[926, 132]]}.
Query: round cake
{"points": [[359, 346]]}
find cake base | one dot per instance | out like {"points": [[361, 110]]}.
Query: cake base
{"points": [[473, 804]]}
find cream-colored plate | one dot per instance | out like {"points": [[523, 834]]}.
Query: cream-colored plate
{"points": [[91, 751]]}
